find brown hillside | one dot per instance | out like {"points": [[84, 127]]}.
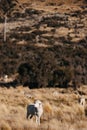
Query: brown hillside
{"points": [[46, 42]]}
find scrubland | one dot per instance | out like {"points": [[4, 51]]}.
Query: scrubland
{"points": [[61, 109]]}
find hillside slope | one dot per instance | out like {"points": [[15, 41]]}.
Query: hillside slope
{"points": [[61, 109], [46, 43]]}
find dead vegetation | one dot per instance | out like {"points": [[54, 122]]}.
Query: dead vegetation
{"points": [[61, 110]]}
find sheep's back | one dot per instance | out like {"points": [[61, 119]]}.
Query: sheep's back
{"points": [[31, 109]]}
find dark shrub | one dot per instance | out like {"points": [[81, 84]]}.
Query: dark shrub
{"points": [[62, 76]]}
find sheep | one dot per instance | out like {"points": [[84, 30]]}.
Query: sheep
{"points": [[82, 101], [6, 78], [36, 110]]}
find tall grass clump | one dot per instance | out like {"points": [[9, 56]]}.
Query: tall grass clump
{"points": [[4, 126]]}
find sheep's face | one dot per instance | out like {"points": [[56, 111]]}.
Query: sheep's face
{"points": [[38, 104]]}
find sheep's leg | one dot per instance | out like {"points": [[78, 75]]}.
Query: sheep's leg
{"points": [[38, 120], [31, 116], [27, 115]]}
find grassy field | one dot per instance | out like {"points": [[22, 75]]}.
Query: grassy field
{"points": [[61, 109]]}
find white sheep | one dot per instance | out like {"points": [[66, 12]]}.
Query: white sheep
{"points": [[35, 109], [6, 78], [82, 101]]}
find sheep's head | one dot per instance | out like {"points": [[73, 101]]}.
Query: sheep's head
{"points": [[38, 103]]}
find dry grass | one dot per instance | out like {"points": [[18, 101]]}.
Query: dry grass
{"points": [[61, 110]]}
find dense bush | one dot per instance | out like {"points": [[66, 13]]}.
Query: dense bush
{"points": [[44, 67]]}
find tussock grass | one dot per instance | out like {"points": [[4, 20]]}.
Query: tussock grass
{"points": [[4, 126], [47, 108], [61, 110]]}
